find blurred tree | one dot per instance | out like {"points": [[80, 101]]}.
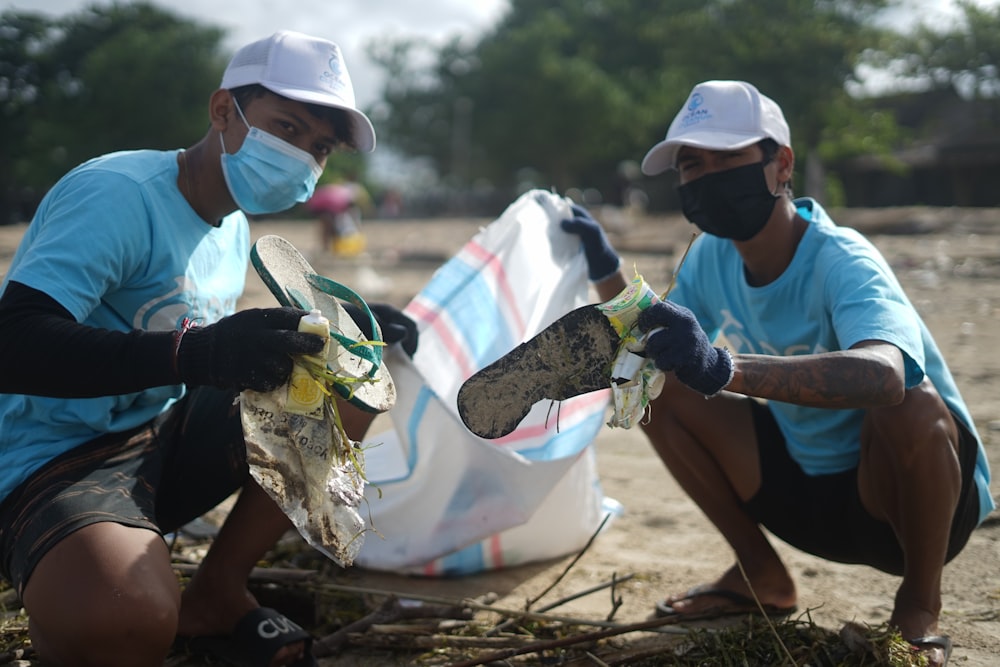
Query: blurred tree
{"points": [[964, 56], [24, 41], [112, 77], [568, 89]]}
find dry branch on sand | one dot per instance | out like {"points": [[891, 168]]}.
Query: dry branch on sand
{"points": [[433, 630]]}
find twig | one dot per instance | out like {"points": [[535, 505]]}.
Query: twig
{"points": [[616, 601], [472, 604], [673, 276], [530, 603], [767, 618], [276, 574], [593, 589], [436, 641], [569, 598], [538, 647], [389, 611], [571, 563]]}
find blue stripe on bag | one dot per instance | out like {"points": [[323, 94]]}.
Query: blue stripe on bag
{"points": [[463, 292]]}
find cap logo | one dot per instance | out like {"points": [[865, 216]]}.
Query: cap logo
{"points": [[334, 77], [695, 114]]}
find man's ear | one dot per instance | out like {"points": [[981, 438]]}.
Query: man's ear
{"points": [[221, 109], [785, 159]]}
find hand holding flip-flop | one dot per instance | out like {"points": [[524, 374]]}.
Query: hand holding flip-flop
{"points": [[676, 342]]}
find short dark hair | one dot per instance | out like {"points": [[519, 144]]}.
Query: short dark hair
{"points": [[343, 130], [769, 147]]}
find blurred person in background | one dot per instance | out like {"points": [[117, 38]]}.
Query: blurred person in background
{"points": [[340, 208]]}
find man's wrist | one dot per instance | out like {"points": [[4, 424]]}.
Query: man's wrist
{"points": [[605, 269]]}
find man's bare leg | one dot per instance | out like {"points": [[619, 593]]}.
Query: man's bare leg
{"points": [[710, 448], [911, 478], [104, 596]]}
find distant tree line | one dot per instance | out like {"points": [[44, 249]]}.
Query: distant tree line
{"points": [[565, 93], [562, 93], [108, 78]]}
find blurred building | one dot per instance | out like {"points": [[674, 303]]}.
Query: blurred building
{"points": [[954, 160]]}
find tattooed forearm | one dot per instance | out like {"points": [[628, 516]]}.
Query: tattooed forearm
{"points": [[858, 378]]}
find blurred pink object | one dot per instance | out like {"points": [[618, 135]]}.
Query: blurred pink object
{"points": [[334, 198]]}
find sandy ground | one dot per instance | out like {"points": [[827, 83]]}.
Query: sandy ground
{"points": [[949, 262]]}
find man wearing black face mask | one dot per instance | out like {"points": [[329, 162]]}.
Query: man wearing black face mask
{"points": [[864, 451]]}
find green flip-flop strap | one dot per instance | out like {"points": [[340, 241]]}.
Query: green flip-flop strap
{"points": [[371, 353]]}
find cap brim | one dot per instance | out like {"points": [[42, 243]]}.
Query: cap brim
{"points": [[663, 156], [364, 132]]}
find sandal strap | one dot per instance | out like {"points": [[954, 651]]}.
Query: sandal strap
{"points": [[370, 353]]}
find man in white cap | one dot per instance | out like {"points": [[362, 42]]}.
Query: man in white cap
{"points": [[833, 421], [117, 422]]}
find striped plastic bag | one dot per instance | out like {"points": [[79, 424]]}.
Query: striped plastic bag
{"points": [[442, 500]]}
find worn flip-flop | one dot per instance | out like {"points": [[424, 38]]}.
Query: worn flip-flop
{"points": [[591, 348], [293, 282], [943, 642], [255, 640], [571, 356], [736, 604]]}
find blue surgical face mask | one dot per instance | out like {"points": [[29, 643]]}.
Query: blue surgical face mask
{"points": [[268, 175]]}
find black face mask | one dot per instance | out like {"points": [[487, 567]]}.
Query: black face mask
{"points": [[732, 204]]}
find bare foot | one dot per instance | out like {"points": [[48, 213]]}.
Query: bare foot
{"points": [[774, 592], [916, 623]]}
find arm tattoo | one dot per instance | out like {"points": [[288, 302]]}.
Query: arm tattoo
{"points": [[848, 379]]}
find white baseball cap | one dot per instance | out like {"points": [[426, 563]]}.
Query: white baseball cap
{"points": [[302, 68], [719, 115]]}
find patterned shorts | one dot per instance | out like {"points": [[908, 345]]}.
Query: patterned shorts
{"points": [[157, 476]]}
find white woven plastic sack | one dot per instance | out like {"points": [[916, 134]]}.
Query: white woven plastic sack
{"points": [[451, 502]]}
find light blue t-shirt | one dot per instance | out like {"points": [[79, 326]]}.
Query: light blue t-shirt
{"points": [[119, 247], [837, 291]]}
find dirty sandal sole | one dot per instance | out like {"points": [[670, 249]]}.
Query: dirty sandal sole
{"points": [[572, 356], [293, 282]]}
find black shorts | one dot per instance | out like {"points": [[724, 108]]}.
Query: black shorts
{"points": [[823, 515], [158, 476]]}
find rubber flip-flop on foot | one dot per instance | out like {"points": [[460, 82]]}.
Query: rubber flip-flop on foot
{"points": [[572, 356], [256, 639], [736, 604], [293, 282], [943, 642]]}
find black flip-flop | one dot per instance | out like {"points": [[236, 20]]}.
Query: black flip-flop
{"points": [[942, 642], [737, 605], [571, 356], [254, 641]]}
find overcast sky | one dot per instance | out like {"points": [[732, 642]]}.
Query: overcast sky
{"points": [[349, 23]]}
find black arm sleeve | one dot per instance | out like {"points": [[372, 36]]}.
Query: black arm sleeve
{"points": [[44, 351]]}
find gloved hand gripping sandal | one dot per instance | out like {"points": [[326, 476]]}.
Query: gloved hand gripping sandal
{"points": [[591, 348], [304, 459], [366, 383]]}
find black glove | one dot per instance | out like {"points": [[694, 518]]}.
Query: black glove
{"points": [[679, 344], [252, 349], [602, 260], [396, 326]]}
